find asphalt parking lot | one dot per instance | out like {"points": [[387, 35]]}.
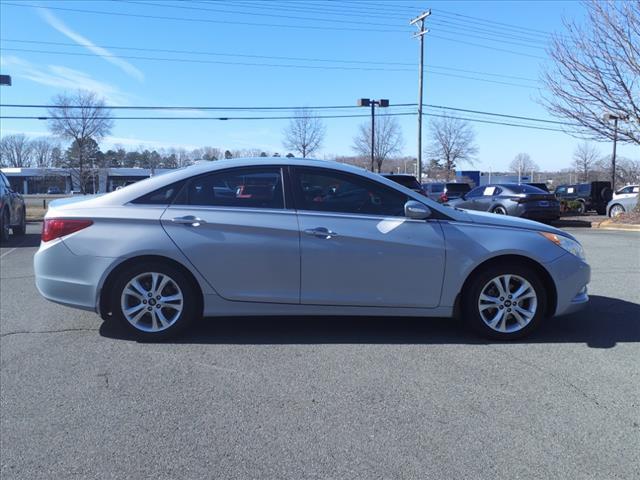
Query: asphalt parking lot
{"points": [[322, 397]]}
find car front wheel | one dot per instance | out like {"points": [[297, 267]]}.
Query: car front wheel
{"points": [[616, 210], [154, 301], [21, 229], [504, 302], [4, 226], [500, 210]]}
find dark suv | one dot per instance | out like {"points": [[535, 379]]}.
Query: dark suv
{"points": [[12, 210], [592, 196], [405, 180]]}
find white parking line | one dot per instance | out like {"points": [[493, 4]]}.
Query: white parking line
{"points": [[7, 252]]}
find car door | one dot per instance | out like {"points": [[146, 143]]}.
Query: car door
{"points": [[358, 248], [12, 198], [490, 197], [469, 201], [236, 229]]}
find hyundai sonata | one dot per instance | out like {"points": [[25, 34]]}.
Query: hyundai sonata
{"points": [[300, 237]]}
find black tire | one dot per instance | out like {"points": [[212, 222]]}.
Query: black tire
{"points": [[606, 194], [601, 210], [582, 209], [4, 226], [21, 229], [499, 210], [475, 285], [190, 301]]}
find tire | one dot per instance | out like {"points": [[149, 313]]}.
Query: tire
{"points": [[508, 326], [21, 229], [582, 209], [5, 226], [601, 211], [151, 322], [499, 210], [606, 194], [616, 210]]}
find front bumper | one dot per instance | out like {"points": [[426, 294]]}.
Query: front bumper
{"points": [[571, 276], [66, 278]]}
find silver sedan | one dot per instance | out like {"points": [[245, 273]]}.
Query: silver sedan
{"points": [[300, 237]]}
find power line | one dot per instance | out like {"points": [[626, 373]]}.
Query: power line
{"points": [[293, 108], [270, 57], [275, 65], [491, 122], [199, 20]]}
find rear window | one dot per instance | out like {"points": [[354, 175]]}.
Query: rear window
{"points": [[162, 196], [525, 189], [458, 187]]}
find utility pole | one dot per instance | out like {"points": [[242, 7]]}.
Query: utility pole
{"points": [[615, 118], [419, 21]]}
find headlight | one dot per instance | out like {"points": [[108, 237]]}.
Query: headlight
{"points": [[566, 243]]}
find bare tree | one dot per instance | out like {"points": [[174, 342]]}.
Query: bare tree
{"points": [[452, 141], [523, 164], [305, 133], [80, 117], [44, 152], [585, 157], [15, 151], [595, 70], [388, 140]]}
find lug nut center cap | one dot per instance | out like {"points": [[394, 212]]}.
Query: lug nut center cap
{"points": [[152, 301], [507, 303]]}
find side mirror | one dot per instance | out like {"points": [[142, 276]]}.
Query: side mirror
{"points": [[416, 210]]}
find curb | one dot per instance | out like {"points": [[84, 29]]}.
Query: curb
{"points": [[609, 225]]}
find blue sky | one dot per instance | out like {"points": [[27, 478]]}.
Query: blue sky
{"points": [[486, 42]]}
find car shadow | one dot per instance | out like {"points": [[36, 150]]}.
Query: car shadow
{"points": [[22, 241], [602, 324]]}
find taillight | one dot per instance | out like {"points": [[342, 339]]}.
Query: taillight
{"points": [[444, 198], [53, 228]]}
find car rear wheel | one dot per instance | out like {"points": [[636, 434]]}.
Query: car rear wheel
{"points": [[616, 210], [505, 302], [582, 208], [500, 210], [154, 301], [21, 229], [4, 226]]}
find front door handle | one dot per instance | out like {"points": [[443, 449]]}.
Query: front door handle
{"points": [[190, 220], [321, 232]]}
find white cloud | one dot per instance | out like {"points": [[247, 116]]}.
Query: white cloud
{"points": [[56, 23], [63, 77]]}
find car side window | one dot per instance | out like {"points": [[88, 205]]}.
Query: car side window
{"points": [[584, 188], [259, 187], [324, 190], [476, 192], [162, 196]]}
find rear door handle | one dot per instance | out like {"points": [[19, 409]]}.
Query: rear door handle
{"points": [[190, 220], [321, 232]]}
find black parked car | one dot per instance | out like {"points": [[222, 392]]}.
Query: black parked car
{"points": [[592, 196], [511, 199], [541, 186], [405, 180], [12, 210], [443, 192]]}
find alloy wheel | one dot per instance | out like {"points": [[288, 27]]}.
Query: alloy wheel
{"points": [[507, 303], [616, 210], [151, 302], [499, 211]]}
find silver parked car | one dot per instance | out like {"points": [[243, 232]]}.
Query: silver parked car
{"points": [[622, 204], [300, 237]]}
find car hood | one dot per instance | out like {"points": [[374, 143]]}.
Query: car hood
{"points": [[486, 218]]}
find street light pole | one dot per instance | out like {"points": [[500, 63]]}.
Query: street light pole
{"points": [[373, 132], [615, 118], [367, 102]]}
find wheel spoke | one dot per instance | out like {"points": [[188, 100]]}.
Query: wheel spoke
{"points": [[154, 282], [137, 318], [133, 293], [163, 283], [488, 298], [527, 314], [162, 318], [519, 318], [134, 309], [172, 298], [136, 284], [498, 284], [521, 290], [494, 321], [154, 320]]}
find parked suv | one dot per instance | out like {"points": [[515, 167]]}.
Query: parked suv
{"points": [[12, 210], [408, 181], [592, 196], [443, 192]]}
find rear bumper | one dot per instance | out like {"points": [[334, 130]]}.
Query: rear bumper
{"points": [[66, 278], [571, 276], [544, 213]]}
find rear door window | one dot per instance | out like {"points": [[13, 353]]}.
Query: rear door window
{"points": [[260, 187]]}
